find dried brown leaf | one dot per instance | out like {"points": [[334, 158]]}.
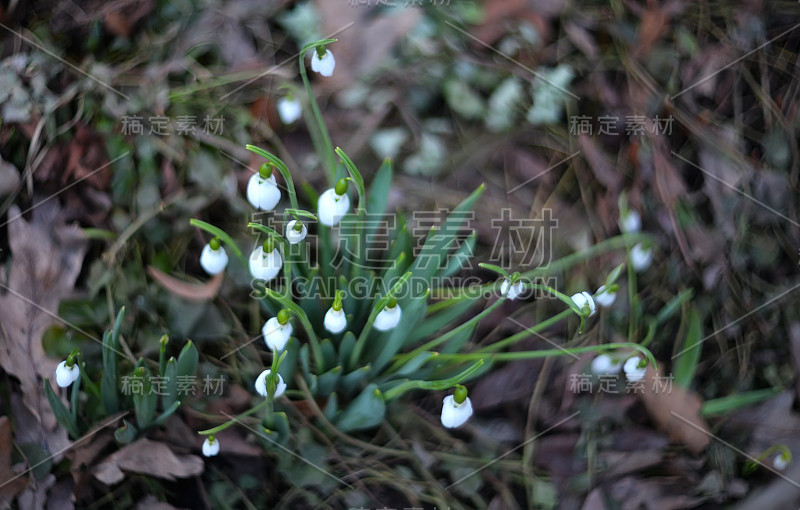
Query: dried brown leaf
{"points": [[8, 490], [148, 458], [192, 291]]}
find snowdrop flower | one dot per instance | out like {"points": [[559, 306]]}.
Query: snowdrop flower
{"points": [[641, 257], [289, 109], [389, 317], [456, 408], [584, 301], [333, 204], [213, 257], [210, 446], [511, 290], [604, 364], [335, 320], [67, 372], [277, 331], [633, 371], [322, 61], [262, 189], [261, 385], [295, 231], [605, 298], [630, 222], [781, 461], [266, 261]]}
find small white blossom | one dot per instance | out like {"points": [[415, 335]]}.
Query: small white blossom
{"points": [[261, 384], [210, 447], [332, 207], [67, 375], [780, 462], [632, 370], [335, 320], [324, 65], [641, 257], [213, 261], [388, 318], [263, 193], [289, 109], [603, 364], [582, 299], [265, 266], [630, 223], [276, 334], [293, 235], [511, 291], [455, 414], [605, 298]]}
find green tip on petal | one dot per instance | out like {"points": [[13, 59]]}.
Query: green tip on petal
{"points": [[341, 187], [298, 226], [268, 246], [283, 316], [321, 51], [392, 303], [265, 171], [460, 395], [214, 243]]}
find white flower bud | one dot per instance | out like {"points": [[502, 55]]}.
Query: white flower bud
{"points": [[632, 370], [213, 261], [335, 320], [388, 318], [332, 207], [641, 257], [210, 447], [605, 298], [276, 334], [455, 414], [583, 299], [511, 291], [630, 223], [261, 384], [780, 462], [265, 266], [603, 364], [289, 109], [324, 65], [263, 193], [295, 236], [67, 375]]}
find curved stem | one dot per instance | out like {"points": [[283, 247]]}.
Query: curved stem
{"points": [[220, 428], [326, 138]]}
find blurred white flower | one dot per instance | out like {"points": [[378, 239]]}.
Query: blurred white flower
{"points": [[511, 291], [641, 257], [632, 369], [605, 298], [289, 109], [266, 261], [583, 300], [294, 234], [604, 364], [213, 258], [780, 462], [210, 446], [67, 375], [323, 65], [261, 384], [262, 189], [631, 222]]}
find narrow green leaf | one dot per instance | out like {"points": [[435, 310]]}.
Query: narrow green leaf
{"points": [[126, 434], [62, 414], [378, 194], [686, 364], [724, 405], [171, 379], [217, 232], [364, 412], [167, 413], [187, 360], [497, 269]]}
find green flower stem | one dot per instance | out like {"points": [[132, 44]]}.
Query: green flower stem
{"points": [[282, 168], [545, 353], [526, 332], [443, 384], [218, 232], [633, 298], [443, 338], [220, 428], [286, 302], [326, 138]]}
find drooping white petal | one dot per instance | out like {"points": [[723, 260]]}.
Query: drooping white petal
{"points": [[210, 449], [632, 370], [641, 257], [213, 261], [779, 462], [265, 267], [292, 235], [276, 334], [289, 109], [335, 320], [630, 223], [388, 318], [261, 384], [324, 65], [332, 207], [605, 298], [584, 298], [263, 193], [454, 414], [67, 375], [513, 291], [604, 364]]}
